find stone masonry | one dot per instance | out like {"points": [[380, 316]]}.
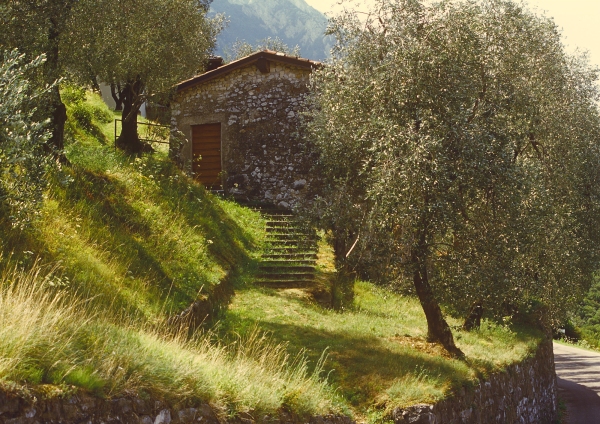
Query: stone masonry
{"points": [[264, 159], [525, 393]]}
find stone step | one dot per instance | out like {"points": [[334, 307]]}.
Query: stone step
{"points": [[290, 254], [283, 236], [275, 214], [290, 230], [285, 276], [288, 270], [284, 285], [296, 245], [291, 284], [288, 262]]}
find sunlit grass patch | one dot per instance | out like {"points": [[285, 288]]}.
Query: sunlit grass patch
{"points": [[378, 353], [48, 336]]}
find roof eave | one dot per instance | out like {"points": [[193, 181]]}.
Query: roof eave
{"points": [[248, 60]]}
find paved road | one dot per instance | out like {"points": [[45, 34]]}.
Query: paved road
{"points": [[578, 374]]}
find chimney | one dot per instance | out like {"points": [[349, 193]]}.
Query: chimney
{"points": [[214, 62]]}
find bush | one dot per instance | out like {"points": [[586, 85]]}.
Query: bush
{"points": [[85, 113], [23, 161], [71, 94]]}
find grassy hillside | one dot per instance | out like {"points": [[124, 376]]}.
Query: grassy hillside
{"points": [[123, 244], [134, 233]]}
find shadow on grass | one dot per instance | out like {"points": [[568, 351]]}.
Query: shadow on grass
{"points": [[363, 367], [155, 262]]}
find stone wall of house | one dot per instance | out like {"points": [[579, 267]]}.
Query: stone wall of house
{"points": [[263, 157], [526, 393]]}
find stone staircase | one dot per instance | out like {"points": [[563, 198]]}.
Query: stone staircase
{"points": [[290, 256]]}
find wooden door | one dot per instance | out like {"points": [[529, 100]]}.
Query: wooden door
{"points": [[206, 154]]}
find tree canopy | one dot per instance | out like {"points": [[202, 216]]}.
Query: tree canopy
{"points": [[145, 47], [22, 140], [460, 140], [35, 27], [241, 49]]}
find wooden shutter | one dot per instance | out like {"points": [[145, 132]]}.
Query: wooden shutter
{"points": [[206, 154]]}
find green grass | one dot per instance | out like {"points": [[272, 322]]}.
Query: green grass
{"points": [[122, 244], [50, 336], [136, 234], [377, 353]]}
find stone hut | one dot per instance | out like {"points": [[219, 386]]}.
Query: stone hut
{"points": [[240, 126]]}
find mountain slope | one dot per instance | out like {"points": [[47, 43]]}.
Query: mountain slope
{"points": [[292, 21]]}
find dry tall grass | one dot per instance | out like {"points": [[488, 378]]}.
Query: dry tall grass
{"points": [[47, 336]]}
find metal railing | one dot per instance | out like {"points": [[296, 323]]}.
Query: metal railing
{"points": [[148, 132]]}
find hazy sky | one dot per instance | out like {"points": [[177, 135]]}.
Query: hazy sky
{"points": [[578, 19]]}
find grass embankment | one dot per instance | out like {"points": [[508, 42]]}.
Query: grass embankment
{"points": [[377, 354], [135, 242]]}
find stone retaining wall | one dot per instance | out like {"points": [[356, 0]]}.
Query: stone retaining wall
{"points": [[18, 408], [526, 393]]}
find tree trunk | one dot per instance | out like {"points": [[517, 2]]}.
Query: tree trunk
{"points": [[474, 319], [438, 329], [129, 140], [95, 84], [59, 118], [57, 109], [116, 93]]}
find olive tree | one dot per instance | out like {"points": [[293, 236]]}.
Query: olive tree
{"points": [[241, 49], [459, 139], [36, 27], [23, 160], [142, 47]]}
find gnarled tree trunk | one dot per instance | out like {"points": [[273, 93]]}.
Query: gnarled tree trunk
{"points": [[438, 329], [57, 109], [129, 140], [116, 93]]}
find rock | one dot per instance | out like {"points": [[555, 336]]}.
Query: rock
{"points": [[163, 417], [141, 407], [207, 415], [9, 404], [187, 415]]}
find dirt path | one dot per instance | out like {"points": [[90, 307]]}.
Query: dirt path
{"points": [[578, 374]]}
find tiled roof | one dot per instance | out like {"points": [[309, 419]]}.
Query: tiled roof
{"points": [[268, 55]]}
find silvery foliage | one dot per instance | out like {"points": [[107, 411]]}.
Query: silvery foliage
{"points": [[23, 161], [461, 137], [241, 48]]}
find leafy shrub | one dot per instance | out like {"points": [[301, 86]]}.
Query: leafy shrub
{"points": [[71, 94], [102, 114], [23, 161], [85, 113]]}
